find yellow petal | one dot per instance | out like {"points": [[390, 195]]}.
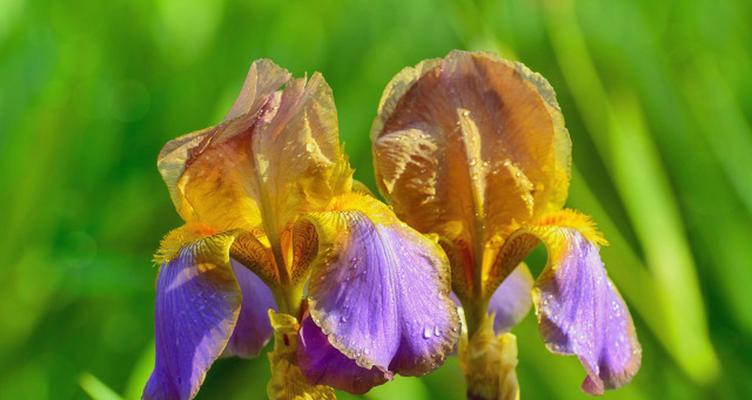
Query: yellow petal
{"points": [[360, 187], [275, 156], [218, 158], [468, 147], [299, 163]]}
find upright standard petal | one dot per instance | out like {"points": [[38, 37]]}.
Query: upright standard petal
{"points": [[579, 310], [276, 156], [380, 291], [467, 147], [208, 172], [253, 329], [197, 306]]}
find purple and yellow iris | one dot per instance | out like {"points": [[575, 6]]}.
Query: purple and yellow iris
{"points": [[280, 241], [473, 149]]}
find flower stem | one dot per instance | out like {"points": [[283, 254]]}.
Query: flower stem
{"points": [[289, 299], [287, 381], [488, 362]]}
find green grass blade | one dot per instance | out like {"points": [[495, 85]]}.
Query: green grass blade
{"points": [[96, 389]]}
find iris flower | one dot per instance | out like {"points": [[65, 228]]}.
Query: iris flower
{"points": [[279, 240], [473, 148]]}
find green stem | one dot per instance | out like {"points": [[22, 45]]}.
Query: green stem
{"points": [[288, 299], [476, 310]]}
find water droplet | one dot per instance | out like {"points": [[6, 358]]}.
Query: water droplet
{"points": [[343, 318], [436, 331], [427, 332]]}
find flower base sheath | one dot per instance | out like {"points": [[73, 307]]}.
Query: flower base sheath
{"points": [[274, 229]]}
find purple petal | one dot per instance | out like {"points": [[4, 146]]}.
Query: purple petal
{"points": [[322, 364], [253, 329], [197, 304], [580, 312], [511, 301], [382, 296]]}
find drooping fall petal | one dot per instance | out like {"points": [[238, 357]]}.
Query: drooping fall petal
{"points": [[380, 291], [511, 302], [466, 147], [580, 311], [252, 330], [197, 306], [322, 364]]}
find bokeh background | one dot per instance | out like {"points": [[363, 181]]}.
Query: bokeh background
{"points": [[657, 97]]}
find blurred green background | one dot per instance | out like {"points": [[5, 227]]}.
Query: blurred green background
{"points": [[657, 97]]}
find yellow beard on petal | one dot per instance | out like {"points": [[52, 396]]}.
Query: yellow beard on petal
{"points": [[376, 210], [176, 238], [576, 220]]}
